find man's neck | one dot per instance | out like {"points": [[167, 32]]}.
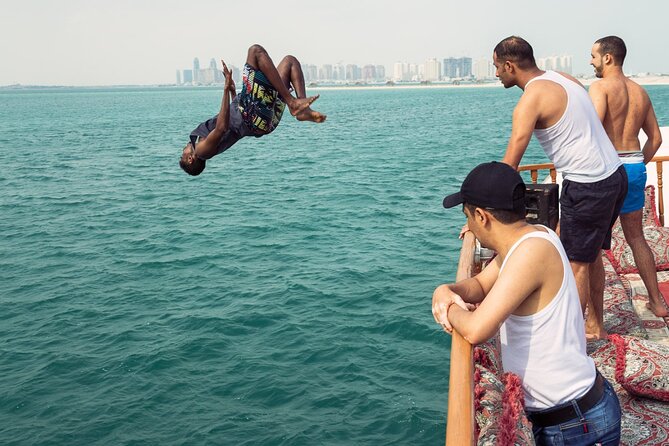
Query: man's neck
{"points": [[613, 71], [508, 235], [525, 76]]}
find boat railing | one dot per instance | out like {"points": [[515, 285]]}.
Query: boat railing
{"points": [[534, 170], [460, 429]]}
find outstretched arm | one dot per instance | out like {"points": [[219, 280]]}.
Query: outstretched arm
{"points": [[652, 130], [207, 148], [525, 118]]}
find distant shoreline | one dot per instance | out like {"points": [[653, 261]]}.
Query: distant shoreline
{"points": [[641, 80]]}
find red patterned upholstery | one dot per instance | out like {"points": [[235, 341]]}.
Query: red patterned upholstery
{"points": [[642, 367], [657, 237]]}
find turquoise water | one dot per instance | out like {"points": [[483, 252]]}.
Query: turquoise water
{"points": [[281, 298]]}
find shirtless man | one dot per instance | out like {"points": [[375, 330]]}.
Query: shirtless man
{"points": [[528, 293], [557, 110], [624, 108], [255, 112]]}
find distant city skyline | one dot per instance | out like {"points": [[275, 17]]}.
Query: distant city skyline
{"points": [[432, 70], [90, 42]]}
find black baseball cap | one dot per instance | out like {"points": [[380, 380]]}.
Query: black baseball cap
{"points": [[491, 185]]}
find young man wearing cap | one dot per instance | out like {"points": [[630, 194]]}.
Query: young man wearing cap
{"points": [[529, 294]]}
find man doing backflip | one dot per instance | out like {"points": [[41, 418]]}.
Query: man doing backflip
{"points": [[625, 108], [256, 111]]}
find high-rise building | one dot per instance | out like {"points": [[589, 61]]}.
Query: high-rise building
{"points": [[217, 71], [483, 69], [456, 68], [188, 77], [369, 73], [196, 70], [325, 73], [178, 77], [338, 72], [353, 72], [310, 72], [380, 73], [432, 70], [556, 63]]}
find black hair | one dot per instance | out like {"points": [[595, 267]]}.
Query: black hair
{"points": [[195, 168], [517, 50], [614, 46]]}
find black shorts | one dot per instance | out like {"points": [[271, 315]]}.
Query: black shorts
{"points": [[587, 214]]}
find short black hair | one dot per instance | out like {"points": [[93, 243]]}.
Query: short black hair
{"points": [[195, 168], [517, 50], [615, 46]]}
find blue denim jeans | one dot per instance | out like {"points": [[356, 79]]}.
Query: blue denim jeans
{"points": [[599, 426]]}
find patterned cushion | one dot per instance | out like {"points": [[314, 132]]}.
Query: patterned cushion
{"points": [[498, 403], [642, 366], [657, 237]]}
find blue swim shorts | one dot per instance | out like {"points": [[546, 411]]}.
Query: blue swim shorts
{"points": [[636, 182]]}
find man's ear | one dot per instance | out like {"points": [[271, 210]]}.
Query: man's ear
{"points": [[480, 215], [509, 66], [607, 59]]}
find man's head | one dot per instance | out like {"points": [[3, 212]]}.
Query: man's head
{"points": [[190, 163], [490, 189], [512, 54], [607, 51]]}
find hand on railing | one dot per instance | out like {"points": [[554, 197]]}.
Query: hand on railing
{"points": [[442, 299]]}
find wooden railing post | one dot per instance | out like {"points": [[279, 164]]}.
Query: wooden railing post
{"points": [[660, 196], [460, 420]]}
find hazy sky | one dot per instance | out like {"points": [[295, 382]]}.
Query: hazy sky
{"points": [[94, 42]]}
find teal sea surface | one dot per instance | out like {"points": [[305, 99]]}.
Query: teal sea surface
{"points": [[281, 298]]}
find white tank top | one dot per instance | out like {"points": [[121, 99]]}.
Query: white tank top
{"points": [[548, 349], [577, 144]]}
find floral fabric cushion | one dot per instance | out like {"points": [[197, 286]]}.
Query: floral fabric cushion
{"points": [[498, 405], [642, 366], [657, 237]]}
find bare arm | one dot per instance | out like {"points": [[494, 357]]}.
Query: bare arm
{"points": [[469, 291], [523, 275], [207, 147], [652, 130], [598, 96], [525, 118]]}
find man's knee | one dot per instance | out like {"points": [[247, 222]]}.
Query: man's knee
{"points": [[256, 49], [291, 59]]}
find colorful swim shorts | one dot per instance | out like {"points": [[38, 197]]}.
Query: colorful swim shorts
{"points": [[259, 102]]}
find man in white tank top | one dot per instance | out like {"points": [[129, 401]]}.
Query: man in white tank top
{"points": [[528, 293], [557, 110], [624, 108]]}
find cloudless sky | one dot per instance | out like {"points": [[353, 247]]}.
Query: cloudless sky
{"points": [[95, 42]]}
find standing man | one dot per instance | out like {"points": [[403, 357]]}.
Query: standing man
{"points": [[557, 110], [257, 111], [528, 293], [625, 108]]}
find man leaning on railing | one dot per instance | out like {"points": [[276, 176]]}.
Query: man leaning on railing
{"points": [[529, 294]]}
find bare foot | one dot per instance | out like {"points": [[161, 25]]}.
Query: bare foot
{"points": [[659, 309], [310, 115], [300, 104], [601, 335]]}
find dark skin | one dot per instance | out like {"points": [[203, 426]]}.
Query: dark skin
{"points": [[288, 74]]}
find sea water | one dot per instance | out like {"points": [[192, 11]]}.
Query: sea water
{"points": [[283, 297]]}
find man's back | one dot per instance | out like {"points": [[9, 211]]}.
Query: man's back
{"points": [[627, 105]]}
